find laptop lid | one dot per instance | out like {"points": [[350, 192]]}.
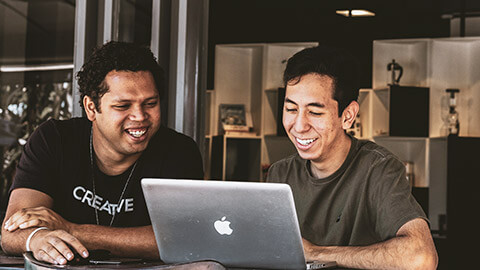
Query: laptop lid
{"points": [[239, 224]]}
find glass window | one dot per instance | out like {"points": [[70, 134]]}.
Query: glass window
{"points": [[36, 65], [135, 21]]}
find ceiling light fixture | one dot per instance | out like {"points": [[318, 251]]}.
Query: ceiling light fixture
{"points": [[22, 68], [355, 13]]}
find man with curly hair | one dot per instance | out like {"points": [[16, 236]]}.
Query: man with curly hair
{"points": [[77, 186]]}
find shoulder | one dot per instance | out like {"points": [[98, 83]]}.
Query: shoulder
{"points": [[169, 138], [174, 154], [172, 146], [375, 154], [55, 131], [64, 126], [379, 168], [282, 168], [289, 161]]}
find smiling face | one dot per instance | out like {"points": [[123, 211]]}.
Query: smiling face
{"points": [[312, 123], [129, 114]]}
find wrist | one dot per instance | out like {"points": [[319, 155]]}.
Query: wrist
{"points": [[74, 229], [30, 236]]}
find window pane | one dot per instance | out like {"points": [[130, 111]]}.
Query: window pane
{"points": [[36, 65], [135, 21]]}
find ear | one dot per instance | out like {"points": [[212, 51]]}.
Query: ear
{"points": [[90, 109], [349, 114]]}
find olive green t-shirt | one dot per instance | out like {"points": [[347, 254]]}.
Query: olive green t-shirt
{"points": [[364, 202]]}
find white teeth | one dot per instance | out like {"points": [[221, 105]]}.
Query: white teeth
{"points": [[137, 133], [304, 142]]}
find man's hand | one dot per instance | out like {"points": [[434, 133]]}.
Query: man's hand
{"points": [[36, 217], [308, 249], [33, 209], [56, 246]]}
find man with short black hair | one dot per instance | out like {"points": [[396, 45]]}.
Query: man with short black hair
{"points": [[77, 186], [353, 200]]}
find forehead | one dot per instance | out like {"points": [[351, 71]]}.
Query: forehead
{"points": [[129, 83], [311, 85]]}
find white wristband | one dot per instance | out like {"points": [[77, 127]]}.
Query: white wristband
{"points": [[27, 244]]}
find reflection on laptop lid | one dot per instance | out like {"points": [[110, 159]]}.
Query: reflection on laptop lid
{"points": [[239, 224]]}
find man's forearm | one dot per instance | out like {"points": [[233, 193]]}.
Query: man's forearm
{"points": [[394, 253], [127, 242], [14, 242]]}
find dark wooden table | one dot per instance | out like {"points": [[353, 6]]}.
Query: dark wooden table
{"points": [[27, 261]]}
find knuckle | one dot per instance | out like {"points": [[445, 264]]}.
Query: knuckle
{"points": [[55, 241], [49, 249], [39, 255], [63, 233], [71, 238]]}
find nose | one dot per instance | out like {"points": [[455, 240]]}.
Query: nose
{"points": [[301, 123], [138, 113]]}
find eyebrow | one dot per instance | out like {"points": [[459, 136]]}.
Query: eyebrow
{"points": [[129, 100], [314, 104]]}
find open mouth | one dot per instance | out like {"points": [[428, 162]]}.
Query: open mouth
{"points": [[136, 132], [305, 142]]}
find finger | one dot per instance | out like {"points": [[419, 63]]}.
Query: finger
{"points": [[52, 251], [74, 243], [46, 246], [33, 223], [62, 250], [42, 255], [27, 220], [12, 223]]}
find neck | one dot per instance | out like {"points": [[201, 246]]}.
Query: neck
{"points": [[330, 164], [109, 161], [114, 167]]}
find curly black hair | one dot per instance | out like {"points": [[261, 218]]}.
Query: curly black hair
{"points": [[335, 63], [119, 56]]}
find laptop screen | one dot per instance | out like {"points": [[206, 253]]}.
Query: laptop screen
{"points": [[239, 224]]}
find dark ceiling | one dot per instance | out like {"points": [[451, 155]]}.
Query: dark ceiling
{"points": [[252, 21], [247, 21]]}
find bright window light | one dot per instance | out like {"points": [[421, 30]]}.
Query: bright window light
{"points": [[356, 13]]}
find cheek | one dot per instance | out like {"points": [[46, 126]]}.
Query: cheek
{"points": [[332, 125], [322, 126], [114, 118], [287, 120], [155, 112]]}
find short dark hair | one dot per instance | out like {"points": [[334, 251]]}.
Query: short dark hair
{"points": [[119, 56], [332, 62]]}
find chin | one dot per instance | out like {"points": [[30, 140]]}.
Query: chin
{"points": [[310, 155]]}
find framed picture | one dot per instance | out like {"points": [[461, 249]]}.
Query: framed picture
{"points": [[232, 117]]}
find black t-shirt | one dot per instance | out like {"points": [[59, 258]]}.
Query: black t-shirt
{"points": [[364, 202], [56, 161]]}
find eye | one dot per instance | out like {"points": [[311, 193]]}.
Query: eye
{"points": [[316, 113], [151, 104], [290, 109], [121, 107]]}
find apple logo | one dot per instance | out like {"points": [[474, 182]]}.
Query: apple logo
{"points": [[223, 226]]}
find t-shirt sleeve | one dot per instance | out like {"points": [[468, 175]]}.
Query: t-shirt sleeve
{"points": [[392, 198], [37, 164]]}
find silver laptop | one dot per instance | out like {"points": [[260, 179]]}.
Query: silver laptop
{"points": [[239, 224]]}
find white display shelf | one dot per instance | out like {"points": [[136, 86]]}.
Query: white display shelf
{"points": [[251, 74], [439, 64], [411, 149]]}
